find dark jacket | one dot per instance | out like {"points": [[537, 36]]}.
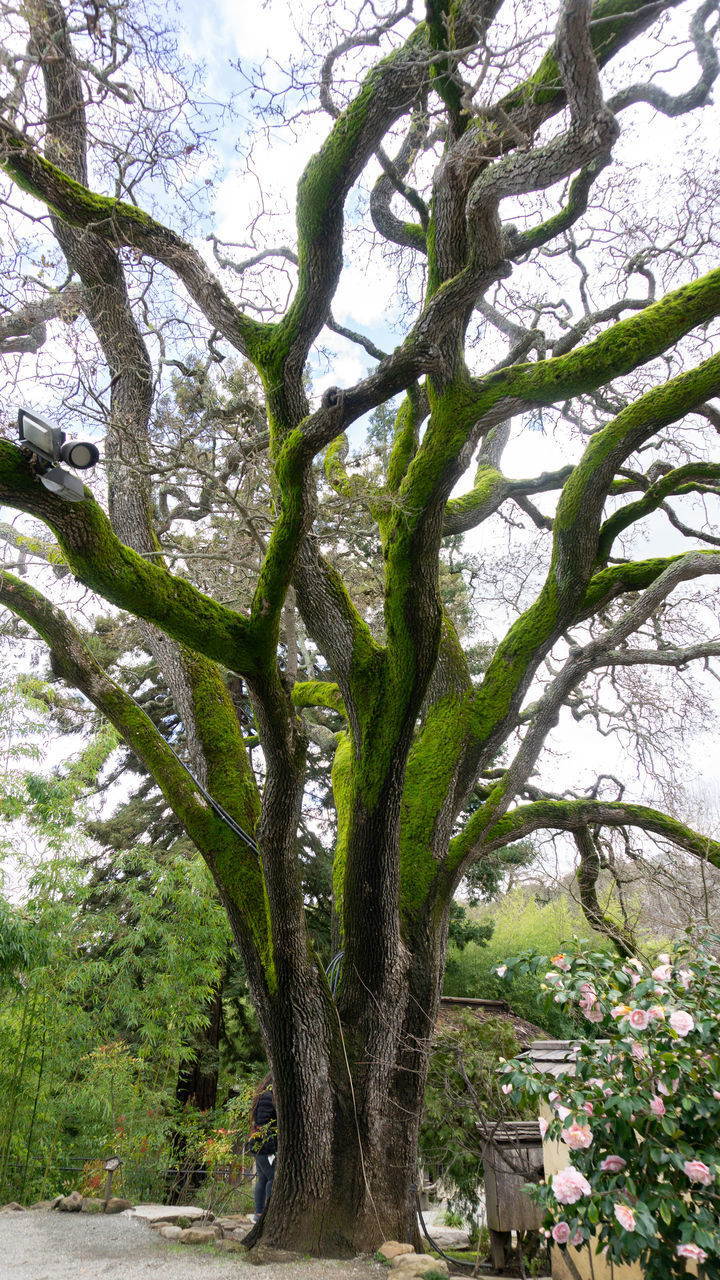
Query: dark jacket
{"points": [[264, 1114]]}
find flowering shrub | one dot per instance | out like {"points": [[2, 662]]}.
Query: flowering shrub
{"points": [[640, 1114]]}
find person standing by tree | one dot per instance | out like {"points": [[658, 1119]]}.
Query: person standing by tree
{"points": [[263, 1141]]}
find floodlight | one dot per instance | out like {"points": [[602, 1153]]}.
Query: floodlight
{"points": [[48, 445], [64, 484], [80, 454], [42, 437]]}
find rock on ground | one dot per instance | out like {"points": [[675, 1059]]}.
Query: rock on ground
{"points": [[168, 1212], [413, 1266], [393, 1248]]}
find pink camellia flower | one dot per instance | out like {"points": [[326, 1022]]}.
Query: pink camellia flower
{"points": [[613, 1164], [657, 1106], [506, 1088], [543, 1126], [664, 957], [681, 1021], [594, 1015], [588, 1108], [577, 1136], [639, 1019], [620, 1011], [560, 962], [663, 973], [693, 1251], [666, 1087], [576, 1238], [625, 1216], [637, 1050], [685, 977], [561, 1233], [698, 1171], [569, 1185], [563, 1112], [553, 978], [501, 970], [716, 1095], [657, 1011]]}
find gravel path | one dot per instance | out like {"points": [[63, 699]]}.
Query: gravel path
{"points": [[58, 1246]]}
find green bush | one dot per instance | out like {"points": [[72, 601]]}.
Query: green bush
{"points": [[463, 1089], [520, 923]]}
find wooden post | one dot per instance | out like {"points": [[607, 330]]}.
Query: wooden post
{"points": [[110, 1166]]}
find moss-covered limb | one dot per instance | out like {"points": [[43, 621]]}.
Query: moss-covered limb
{"points": [[408, 421], [620, 349], [342, 634], [519, 243], [447, 84], [342, 785], [410, 235], [588, 873], [693, 477], [436, 782], [124, 224], [73, 660], [318, 693], [489, 491], [472, 406], [297, 503], [233, 865], [48, 551], [613, 25], [574, 815], [566, 594], [384, 96], [230, 776], [347, 486], [118, 574], [579, 511]]}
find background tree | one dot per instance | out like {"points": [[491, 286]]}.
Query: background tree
{"points": [[475, 111]]}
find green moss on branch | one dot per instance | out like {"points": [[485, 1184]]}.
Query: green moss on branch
{"points": [[571, 815], [688, 479], [318, 693], [121, 576], [342, 776], [236, 870]]}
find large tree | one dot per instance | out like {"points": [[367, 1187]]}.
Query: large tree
{"points": [[475, 111]]}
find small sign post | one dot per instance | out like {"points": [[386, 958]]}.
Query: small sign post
{"points": [[110, 1166]]}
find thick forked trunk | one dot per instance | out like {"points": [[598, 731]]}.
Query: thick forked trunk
{"points": [[348, 1121]]}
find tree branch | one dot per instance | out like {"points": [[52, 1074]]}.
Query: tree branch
{"points": [[124, 224], [574, 815], [24, 330], [99, 560]]}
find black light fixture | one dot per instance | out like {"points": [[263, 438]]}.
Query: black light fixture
{"points": [[49, 446]]}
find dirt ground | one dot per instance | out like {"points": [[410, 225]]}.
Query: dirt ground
{"points": [[55, 1246]]}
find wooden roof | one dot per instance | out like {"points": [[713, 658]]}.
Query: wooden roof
{"points": [[452, 1006]]}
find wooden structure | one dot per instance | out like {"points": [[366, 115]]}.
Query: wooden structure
{"points": [[512, 1157]]}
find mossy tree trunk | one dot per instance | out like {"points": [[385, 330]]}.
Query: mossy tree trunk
{"points": [[417, 789]]}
